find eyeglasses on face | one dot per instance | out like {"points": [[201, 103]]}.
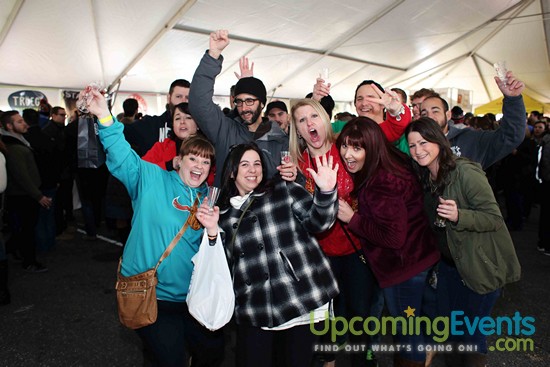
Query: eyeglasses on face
{"points": [[248, 101]]}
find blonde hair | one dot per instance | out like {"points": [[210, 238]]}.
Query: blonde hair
{"points": [[294, 141]]}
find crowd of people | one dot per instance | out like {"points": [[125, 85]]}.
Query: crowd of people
{"points": [[393, 208]]}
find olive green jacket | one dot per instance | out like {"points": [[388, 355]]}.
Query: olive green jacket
{"points": [[480, 243]]}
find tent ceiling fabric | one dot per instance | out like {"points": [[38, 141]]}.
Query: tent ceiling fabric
{"points": [[400, 43]]}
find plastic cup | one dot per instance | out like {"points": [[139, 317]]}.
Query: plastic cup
{"points": [[501, 70], [213, 193], [285, 157], [440, 221], [325, 75]]}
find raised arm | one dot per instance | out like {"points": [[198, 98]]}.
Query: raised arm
{"points": [[398, 116], [208, 116], [320, 214], [495, 145], [122, 161]]}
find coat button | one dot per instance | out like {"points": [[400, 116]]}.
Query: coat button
{"points": [[266, 276], [235, 225], [261, 246], [241, 254], [248, 282]]}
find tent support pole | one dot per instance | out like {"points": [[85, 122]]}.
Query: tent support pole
{"points": [[165, 28], [11, 18]]}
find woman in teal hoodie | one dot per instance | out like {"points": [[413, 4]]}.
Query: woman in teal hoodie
{"points": [[162, 202], [477, 253]]}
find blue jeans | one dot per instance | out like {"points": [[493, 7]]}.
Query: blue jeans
{"points": [[398, 298], [454, 295]]}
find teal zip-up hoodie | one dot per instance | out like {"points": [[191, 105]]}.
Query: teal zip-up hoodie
{"points": [[160, 201]]}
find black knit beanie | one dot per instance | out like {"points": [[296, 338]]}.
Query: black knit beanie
{"points": [[251, 86]]}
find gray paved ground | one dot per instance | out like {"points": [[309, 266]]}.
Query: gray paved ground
{"points": [[67, 316]]}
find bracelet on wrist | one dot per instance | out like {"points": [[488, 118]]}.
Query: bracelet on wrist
{"points": [[397, 116], [105, 119], [212, 238]]}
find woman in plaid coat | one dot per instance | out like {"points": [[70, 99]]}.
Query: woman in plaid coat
{"points": [[280, 272]]}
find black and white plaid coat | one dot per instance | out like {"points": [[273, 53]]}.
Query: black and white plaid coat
{"points": [[280, 271]]}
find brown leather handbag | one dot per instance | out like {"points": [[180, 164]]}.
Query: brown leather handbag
{"points": [[136, 295]]}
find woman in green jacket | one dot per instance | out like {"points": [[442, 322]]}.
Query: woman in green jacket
{"points": [[477, 253]]}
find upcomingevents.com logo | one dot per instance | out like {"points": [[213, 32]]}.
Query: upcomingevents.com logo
{"points": [[515, 330]]}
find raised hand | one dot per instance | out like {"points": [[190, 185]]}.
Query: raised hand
{"points": [[389, 99], [95, 102], [246, 70], [513, 86], [326, 175], [320, 89], [208, 217], [218, 41]]}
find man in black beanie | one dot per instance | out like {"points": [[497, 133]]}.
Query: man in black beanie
{"points": [[247, 126]]}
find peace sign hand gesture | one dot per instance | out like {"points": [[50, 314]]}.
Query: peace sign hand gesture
{"points": [[326, 174], [389, 99]]}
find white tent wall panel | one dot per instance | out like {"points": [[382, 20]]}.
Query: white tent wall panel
{"points": [[67, 44]]}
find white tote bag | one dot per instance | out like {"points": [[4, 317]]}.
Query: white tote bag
{"points": [[211, 299]]}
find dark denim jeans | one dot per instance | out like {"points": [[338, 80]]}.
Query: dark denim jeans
{"points": [[357, 287], [454, 295], [176, 336], [398, 298], [45, 226]]}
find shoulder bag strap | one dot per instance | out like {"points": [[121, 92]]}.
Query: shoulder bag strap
{"points": [[178, 236], [359, 253]]}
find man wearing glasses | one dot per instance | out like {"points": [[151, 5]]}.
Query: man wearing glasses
{"points": [[64, 153], [248, 124]]}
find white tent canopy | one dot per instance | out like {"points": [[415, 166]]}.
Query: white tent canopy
{"points": [[144, 45]]}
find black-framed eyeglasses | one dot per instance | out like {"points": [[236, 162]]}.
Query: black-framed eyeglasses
{"points": [[248, 101]]}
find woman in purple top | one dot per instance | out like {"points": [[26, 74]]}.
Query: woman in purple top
{"points": [[391, 223]]}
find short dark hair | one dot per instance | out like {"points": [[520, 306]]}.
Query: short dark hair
{"points": [[130, 107], [31, 116], [6, 118], [443, 102], [424, 92], [367, 82], [402, 93], [198, 145], [55, 110], [179, 83]]}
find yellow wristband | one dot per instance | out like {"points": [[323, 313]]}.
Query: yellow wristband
{"points": [[105, 119]]}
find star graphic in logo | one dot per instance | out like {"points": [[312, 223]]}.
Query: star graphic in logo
{"points": [[409, 311]]}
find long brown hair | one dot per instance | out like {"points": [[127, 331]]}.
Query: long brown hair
{"points": [[363, 132], [431, 131]]}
